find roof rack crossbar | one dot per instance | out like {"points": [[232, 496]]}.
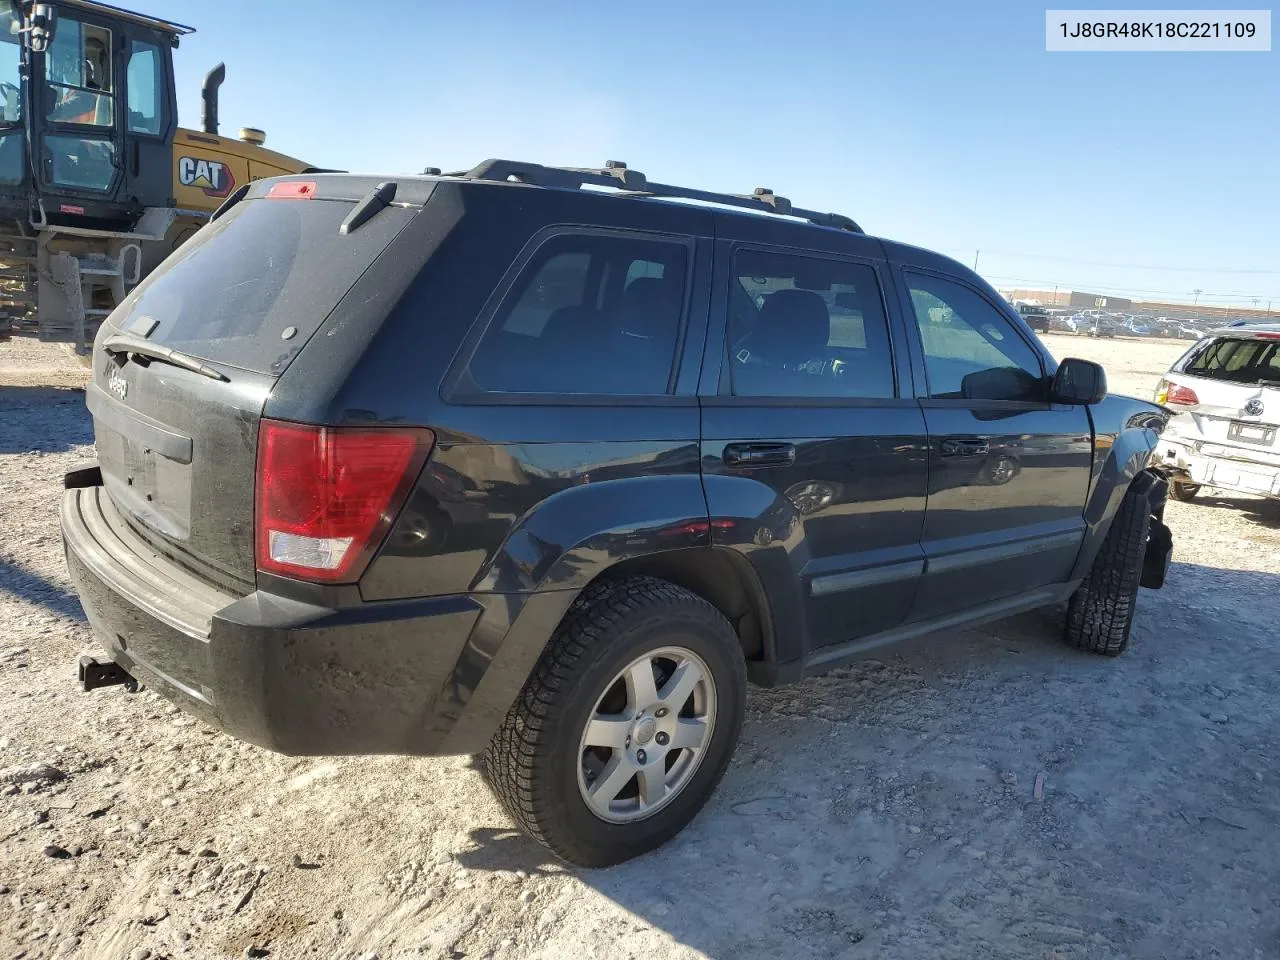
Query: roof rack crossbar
{"points": [[634, 183]]}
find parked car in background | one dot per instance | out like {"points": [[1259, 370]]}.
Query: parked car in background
{"points": [[1096, 326], [1036, 316], [1225, 394]]}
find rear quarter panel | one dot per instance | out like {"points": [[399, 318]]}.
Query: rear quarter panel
{"points": [[522, 493]]}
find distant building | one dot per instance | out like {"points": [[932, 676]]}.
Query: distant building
{"points": [[1079, 299], [1084, 300]]}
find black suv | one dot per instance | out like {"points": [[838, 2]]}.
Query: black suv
{"points": [[487, 462], [1037, 317]]}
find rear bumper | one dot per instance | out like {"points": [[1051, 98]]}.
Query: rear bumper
{"points": [[426, 676], [1185, 459]]}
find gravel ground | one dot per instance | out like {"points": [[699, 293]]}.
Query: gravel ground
{"points": [[979, 794]]}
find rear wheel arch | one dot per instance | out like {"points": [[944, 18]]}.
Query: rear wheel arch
{"points": [[723, 579]]}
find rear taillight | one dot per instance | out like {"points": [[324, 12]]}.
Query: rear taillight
{"points": [[1176, 395], [326, 496]]}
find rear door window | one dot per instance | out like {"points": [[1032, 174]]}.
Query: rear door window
{"points": [[588, 314], [251, 287], [807, 327]]}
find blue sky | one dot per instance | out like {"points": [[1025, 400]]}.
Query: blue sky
{"points": [[936, 123]]}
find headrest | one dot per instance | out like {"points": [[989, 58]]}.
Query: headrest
{"points": [[793, 326], [650, 308], [574, 323]]}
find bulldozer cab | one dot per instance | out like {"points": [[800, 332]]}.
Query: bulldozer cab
{"points": [[98, 183], [87, 113]]}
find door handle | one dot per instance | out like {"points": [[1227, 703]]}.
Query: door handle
{"points": [[759, 454], [976, 447]]}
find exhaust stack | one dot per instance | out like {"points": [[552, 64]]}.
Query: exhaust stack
{"points": [[209, 93]]}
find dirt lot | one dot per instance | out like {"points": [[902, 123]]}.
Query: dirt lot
{"points": [[980, 794]]}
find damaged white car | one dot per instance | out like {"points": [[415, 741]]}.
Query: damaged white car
{"points": [[1225, 394]]}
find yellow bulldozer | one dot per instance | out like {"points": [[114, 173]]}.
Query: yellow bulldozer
{"points": [[98, 183]]}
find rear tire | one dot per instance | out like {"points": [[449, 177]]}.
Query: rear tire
{"points": [[1100, 612], [1182, 491], [541, 763]]}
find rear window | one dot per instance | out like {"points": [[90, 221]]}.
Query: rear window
{"points": [[232, 291], [1236, 360]]}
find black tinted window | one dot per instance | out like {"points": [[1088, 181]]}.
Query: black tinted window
{"points": [[971, 351], [806, 327], [589, 314], [230, 292]]}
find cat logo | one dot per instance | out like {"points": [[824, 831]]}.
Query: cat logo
{"points": [[214, 178]]}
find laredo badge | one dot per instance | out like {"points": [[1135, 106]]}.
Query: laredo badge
{"points": [[211, 176]]}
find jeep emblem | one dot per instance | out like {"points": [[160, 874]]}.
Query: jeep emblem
{"points": [[116, 383], [1254, 407]]}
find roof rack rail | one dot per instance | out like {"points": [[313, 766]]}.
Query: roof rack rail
{"points": [[630, 182]]}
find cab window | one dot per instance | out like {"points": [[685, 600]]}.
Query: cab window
{"points": [[12, 142], [144, 80], [10, 64], [78, 72]]}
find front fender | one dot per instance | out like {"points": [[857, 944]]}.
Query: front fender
{"points": [[570, 538], [1125, 431]]}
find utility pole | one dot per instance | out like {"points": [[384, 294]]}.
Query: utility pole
{"points": [[975, 260], [1197, 292]]}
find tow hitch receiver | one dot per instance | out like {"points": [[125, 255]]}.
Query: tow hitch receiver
{"points": [[94, 674]]}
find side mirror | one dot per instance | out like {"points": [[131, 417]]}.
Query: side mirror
{"points": [[1079, 382]]}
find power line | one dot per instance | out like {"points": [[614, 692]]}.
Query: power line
{"points": [[1090, 287], [1130, 266]]}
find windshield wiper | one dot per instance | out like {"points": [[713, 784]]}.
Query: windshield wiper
{"points": [[135, 347]]}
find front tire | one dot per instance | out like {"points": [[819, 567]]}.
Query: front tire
{"points": [[625, 726], [1100, 612], [1182, 491]]}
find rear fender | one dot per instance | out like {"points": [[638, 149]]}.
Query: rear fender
{"points": [[569, 539], [550, 555]]}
